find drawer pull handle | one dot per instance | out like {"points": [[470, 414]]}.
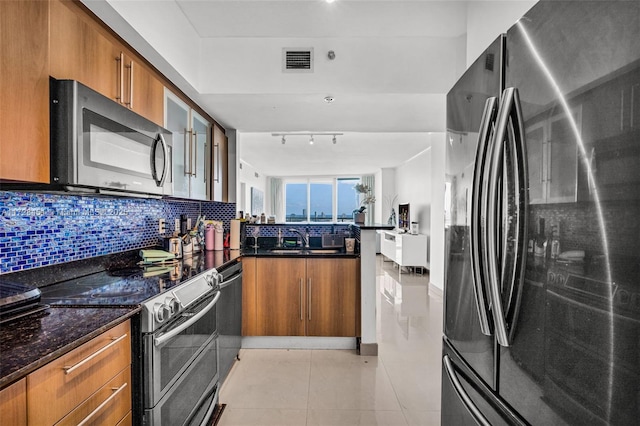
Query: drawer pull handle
{"points": [[71, 369], [115, 393]]}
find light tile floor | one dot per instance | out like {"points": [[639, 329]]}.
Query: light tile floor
{"points": [[334, 387]]}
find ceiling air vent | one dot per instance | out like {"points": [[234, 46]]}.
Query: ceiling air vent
{"points": [[297, 59]]}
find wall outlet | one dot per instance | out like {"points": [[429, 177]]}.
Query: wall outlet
{"points": [[162, 226], [176, 225]]}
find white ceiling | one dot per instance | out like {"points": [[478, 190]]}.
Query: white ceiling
{"points": [[394, 63]]}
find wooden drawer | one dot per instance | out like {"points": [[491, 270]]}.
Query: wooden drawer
{"points": [[13, 404], [63, 384], [105, 407], [127, 421]]}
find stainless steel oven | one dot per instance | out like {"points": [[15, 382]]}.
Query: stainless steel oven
{"points": [[180, 354]]}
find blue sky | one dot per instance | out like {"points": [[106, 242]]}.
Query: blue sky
{"points": [[296, 198]]}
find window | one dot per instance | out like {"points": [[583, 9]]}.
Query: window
{"points": [[296, 202], [347, 198], [320, 200]]}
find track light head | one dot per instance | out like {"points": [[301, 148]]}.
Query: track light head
{"points": [[283, 140], [334, 140], [311, 140]]}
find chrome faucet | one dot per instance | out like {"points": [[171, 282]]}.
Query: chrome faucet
{"points": [[303, 237]]}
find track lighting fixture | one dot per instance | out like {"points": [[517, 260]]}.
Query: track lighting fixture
{"points": [[282, 136]]}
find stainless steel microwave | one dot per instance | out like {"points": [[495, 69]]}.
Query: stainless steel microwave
{"points": [[100, 146]]}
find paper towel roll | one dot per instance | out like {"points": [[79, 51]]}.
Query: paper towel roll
{"points": [[234, 243]]}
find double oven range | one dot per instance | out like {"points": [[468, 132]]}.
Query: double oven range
{"points": [[176, 359]]}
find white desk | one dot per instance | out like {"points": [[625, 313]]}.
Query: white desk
{"points": [[405, 249]]}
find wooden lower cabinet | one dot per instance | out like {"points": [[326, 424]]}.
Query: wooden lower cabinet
{"points": [[13, 404], [280, 296], [92, 382], [331, 297], [300, 297]]}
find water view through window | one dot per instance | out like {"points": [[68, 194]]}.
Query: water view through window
{"points": [[314, 201]]}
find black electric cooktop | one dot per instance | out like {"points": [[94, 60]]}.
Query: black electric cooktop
{"points": [[121, 287]]}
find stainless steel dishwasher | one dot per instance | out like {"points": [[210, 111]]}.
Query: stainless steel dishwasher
{"points": [[229, 318]]}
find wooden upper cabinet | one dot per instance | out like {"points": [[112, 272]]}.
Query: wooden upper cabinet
{"points": [[146, 92], [83, 50], [79, 52], [24, 91], [220, 167]]}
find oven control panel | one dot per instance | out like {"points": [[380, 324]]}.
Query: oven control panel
{"points": [[163, 307]]}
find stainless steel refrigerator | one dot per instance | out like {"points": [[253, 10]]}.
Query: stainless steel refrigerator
{"points": [[542, 291]]}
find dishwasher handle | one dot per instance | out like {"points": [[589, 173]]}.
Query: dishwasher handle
{"points": [[225, 282]]}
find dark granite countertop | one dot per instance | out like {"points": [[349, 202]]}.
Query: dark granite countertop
{"points": [[375, 226], [29, 343], [313, 253]]}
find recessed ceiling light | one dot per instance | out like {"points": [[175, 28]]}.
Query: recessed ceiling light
{"points": [[330, 1], [329, 99]]}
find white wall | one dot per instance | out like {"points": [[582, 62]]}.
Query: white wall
{"points": [[486, 20], [437, 242], [247, 176], [413, 186]]}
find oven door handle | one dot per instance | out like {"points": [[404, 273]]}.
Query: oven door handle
{"points": [[157, 341]]}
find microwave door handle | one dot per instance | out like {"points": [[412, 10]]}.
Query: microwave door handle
{"points": [[478, 220], [165, 150], [157, 341]]}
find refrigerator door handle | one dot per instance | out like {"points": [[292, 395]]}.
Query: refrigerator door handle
{"points": [[457, 386], [478, 213], [509, 113]]}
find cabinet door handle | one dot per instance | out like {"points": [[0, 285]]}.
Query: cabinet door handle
{"points": [[216, 153], [120, 61], [195, 157], [309, 297], [187, 144], [115, 341], [301, 301], [130, 103], [115, 393]]}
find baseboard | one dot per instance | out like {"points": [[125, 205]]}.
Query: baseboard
{"points": [[298, 342], [434, 291], [369, 349]]}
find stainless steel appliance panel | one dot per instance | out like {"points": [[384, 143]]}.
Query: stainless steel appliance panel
{"points": [[192, 399], [229, 312], [574, 355], [168, 355], [466, 110], [99, 144]]}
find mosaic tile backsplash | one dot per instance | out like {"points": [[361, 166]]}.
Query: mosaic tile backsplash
{"points": [[38, 229]]}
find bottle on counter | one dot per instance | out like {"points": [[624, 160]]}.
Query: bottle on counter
{"points": [[540, 243], [555, 241]]}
